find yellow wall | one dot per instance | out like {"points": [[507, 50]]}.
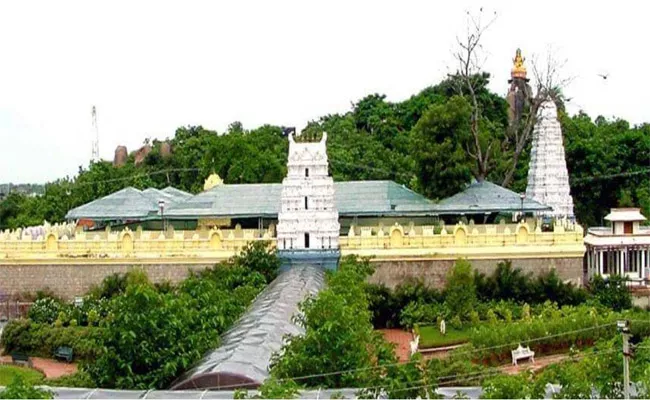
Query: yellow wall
{"points": [[392, 242]]}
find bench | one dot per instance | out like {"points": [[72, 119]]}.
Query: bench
{"points": [[521, 353], [21, 359], [64, 353]]}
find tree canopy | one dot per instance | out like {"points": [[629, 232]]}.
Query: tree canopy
{"points": [[424, 142]]}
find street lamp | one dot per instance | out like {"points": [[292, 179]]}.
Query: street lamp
{"points": [[522, 196], [161, 205]]}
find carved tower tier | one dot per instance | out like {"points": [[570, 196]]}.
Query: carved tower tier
{"points": [[308, 222], [548, 178]]}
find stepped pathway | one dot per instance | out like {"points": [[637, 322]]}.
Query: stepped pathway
{"points": [[51, 368]]}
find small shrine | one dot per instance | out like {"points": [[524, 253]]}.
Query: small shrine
{"points": [[620, 249]]}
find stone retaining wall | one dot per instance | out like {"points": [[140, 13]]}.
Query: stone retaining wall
{"points": [[433, 272], [69, 280]]}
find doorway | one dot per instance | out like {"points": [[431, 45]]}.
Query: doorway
{"points": [[306, 240]]}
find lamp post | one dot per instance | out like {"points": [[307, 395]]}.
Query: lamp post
{"points": [[623, 327], [522, 196], [161, 205]]}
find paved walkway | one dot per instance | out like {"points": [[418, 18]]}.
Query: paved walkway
{"points": [[51, 368], [539, 363], [401, 339]]}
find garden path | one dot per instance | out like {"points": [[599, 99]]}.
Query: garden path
{"points": [[401, 339], [51, 368], [540, 362]]}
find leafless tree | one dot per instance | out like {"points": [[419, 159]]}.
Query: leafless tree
{"points": [[549, 82], [470, 60]]}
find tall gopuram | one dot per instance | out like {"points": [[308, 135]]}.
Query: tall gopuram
{"points": [[308, 222], [519, 91], [548, 178]]}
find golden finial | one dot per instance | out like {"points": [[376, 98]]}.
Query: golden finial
{"points": [[518, 70]]}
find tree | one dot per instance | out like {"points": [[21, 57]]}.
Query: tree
{"points": [[460, 291], [339, 336], [468, 74], [438, 142]]}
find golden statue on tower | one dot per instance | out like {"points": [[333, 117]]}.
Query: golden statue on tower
{"points": [[518, 70]]}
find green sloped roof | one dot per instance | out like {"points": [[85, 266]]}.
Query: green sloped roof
{"points": [[128, 203], [486, 197], [263, 200]]}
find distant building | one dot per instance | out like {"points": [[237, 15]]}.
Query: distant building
{"points": [[620, 249]]}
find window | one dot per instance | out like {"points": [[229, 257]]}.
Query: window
{"points": [[306, 205], [306, 172], [306, 240]]}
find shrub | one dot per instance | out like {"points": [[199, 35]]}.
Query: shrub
{"points": [[460, 291], [19, 389], [79, 379], [45, 310], [491, 317], [508, 283], [456, 323], [387, 306], [612, 292], [43, 339], [111, 286]]}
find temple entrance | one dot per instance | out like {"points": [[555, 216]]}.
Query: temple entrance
{"points": [[306, 240]]}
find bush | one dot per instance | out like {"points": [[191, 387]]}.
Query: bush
{"points": [[45, 310], [460, 291], [43, 339], [79, 379], [612, 292], [19, 389], [511, 284], [388, 306]]}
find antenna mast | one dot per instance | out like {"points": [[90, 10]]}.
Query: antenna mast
{"points": [[95, 149]]}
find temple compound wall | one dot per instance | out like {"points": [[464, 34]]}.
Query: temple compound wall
{"points": [[70, 266]]}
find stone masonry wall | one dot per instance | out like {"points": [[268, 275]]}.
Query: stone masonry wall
{"points": [[68, 281], [434, 272]]}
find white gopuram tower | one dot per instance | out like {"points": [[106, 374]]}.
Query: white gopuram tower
{"points": [[308, 223], [548, 178]]}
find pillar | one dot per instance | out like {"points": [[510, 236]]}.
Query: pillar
{"points": [[600, 262]]}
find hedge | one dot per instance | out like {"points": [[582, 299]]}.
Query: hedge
{"points": [[42, 340]]}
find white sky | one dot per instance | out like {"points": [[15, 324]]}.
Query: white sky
{"points": [[152, 66]]}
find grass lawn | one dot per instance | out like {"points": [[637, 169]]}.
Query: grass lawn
{"points": [[430, 336], [7, 373]]}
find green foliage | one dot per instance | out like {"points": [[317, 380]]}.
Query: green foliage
{"points": [[9, 372], [521, 386], [438, 145], [389, 307], [79, 379], [20, 389], [154, 336], [338, 334], [259, 257], [275, 389], [460, 290], [110, 287], [508, 283], [612, 293], [43, 339], [430, 336]]}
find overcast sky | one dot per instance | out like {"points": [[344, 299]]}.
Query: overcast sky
{"points": [[150, 67]]}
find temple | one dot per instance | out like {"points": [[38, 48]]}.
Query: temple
{"points": [[548, 178], [308, 221]]}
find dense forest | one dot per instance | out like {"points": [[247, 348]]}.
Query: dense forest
{"points": [[423, 142]]}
